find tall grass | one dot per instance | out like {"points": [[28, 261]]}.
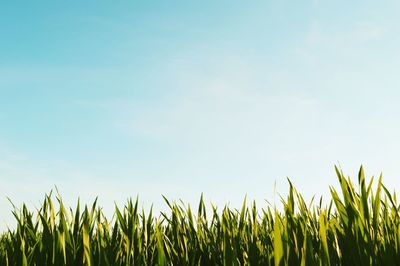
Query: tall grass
{"points": [[360, 227]]}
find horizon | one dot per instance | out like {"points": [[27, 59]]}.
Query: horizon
{"points": [[227, 99]]}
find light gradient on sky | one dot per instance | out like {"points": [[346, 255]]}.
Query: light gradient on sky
{"points": [[123, 98]]}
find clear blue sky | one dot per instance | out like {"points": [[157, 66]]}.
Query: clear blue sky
{"points": [[177, 98]]}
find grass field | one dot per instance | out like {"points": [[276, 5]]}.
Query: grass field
{"points": [[360, 226]]}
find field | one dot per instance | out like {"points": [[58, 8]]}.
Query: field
{"points": [[360, 226]]}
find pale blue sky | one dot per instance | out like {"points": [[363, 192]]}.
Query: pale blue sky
{"points": [[177, 98]]}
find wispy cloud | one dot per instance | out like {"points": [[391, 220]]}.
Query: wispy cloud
{"points": [[324, 43], [368, 31], [360, 32]]}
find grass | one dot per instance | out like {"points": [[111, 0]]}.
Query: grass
{"points": [[359, 227]]}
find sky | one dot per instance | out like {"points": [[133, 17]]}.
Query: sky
{"points": [[178, 98]]}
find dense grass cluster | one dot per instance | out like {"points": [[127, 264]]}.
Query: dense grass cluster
{"points": [[360, 227]]}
